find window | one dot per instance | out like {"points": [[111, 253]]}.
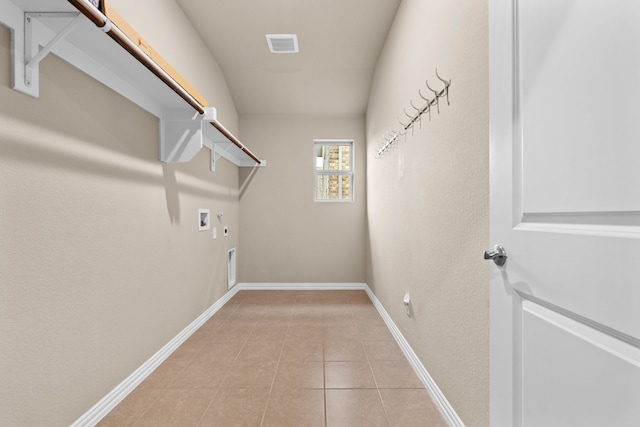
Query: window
{"points": [[333, 167]]}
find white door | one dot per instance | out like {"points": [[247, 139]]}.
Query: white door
{"points": [[565, 204]]}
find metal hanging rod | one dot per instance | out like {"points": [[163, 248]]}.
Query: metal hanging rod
{"points": [[235, 141], [391, 136], [89, 10]]}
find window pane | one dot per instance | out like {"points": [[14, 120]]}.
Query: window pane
{"points": [[333, 157], [333, 187]]}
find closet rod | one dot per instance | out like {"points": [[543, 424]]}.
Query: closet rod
{"points": [[233, 139], [100, 20]]}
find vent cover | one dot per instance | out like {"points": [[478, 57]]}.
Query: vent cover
{"points": [[282, 43]]}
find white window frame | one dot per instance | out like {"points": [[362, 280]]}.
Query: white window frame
{"points": [[350, 173]]}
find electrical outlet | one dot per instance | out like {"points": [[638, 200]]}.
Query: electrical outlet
{"points": [[215, 233]]}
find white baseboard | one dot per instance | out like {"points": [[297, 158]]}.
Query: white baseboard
{"points": [[301, 286], [447, 411], [122, 390]]}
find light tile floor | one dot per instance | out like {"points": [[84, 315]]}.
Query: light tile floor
{"points": [[284, 358]]}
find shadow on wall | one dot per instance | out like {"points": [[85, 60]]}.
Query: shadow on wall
{"points": [[246, 176], [91, 132], [49, 149], [55, 150], [171, 192]]}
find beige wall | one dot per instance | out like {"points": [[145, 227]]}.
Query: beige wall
{"points": [[100, 260], [165, 27], [286, 236], [101, 263], [428, 200]]}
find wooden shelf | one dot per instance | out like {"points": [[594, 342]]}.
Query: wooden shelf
{"points": [[118, 58]]}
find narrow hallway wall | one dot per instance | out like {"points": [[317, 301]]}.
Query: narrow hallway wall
{"points": [[101, 263], [428, 199], [286, 236]]}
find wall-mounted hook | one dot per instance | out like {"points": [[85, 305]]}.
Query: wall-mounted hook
{"points": [[408, 115], [414, 107], [423, 97], [391, 136], [447, 83], [428, 107], [437, 99], [412, 120], [419, 110]]}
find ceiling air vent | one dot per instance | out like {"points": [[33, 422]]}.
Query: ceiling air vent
{"points": [[282, 43]]}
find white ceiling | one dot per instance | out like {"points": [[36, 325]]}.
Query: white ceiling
{"points": [[340, 41]]}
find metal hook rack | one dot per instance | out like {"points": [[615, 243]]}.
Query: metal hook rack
{"points": [[391, 136]]}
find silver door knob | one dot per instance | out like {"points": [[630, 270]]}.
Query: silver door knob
{"points": [[499, 255]]}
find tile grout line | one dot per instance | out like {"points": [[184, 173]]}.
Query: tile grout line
{"points": [[275, 374], [147, 410], [366, 355], [232, 362], [291, 306], [218, 390], [324, 373], [163, 390], [168, 387]]}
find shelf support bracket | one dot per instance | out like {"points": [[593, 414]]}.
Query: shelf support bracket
{"points": [[184, 132], [32, 65], [28, 33], [181, 134]]}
